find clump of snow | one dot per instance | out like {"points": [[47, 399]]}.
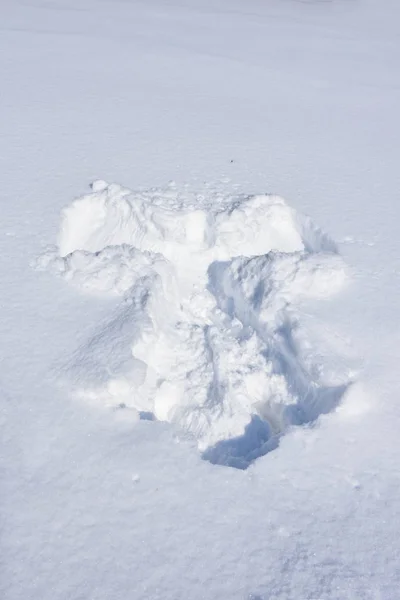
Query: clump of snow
{"points": [[209, 334], [113, 270]]}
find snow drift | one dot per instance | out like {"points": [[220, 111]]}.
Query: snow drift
{"points": [[209, 333]]}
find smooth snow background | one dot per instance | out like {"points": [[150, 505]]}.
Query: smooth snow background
{"points": [[303, 97]]}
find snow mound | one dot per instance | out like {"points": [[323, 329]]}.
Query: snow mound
{"points": [[113, 270], [209, 334]]}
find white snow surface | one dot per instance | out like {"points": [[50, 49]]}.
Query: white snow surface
{"points": [[199, 383], [209, 334]]}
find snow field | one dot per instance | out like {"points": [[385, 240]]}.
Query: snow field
{"points": [[209, 333]]}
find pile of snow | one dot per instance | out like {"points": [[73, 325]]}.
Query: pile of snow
{"points": [[209, 334]]}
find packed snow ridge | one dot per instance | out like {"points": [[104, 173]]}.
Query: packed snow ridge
{"points": [[210, 333]]}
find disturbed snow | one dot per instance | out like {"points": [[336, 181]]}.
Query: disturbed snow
{"points": [[213, 332]]}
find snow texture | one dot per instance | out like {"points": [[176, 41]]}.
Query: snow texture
{"points": [[208, 335], [100, 498]]}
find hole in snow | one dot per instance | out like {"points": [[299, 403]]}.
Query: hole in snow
{"points": [[210, 332], [146, 415]]}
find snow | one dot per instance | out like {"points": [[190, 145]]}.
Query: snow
{"points": [[206, 338], [154, 336]]}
